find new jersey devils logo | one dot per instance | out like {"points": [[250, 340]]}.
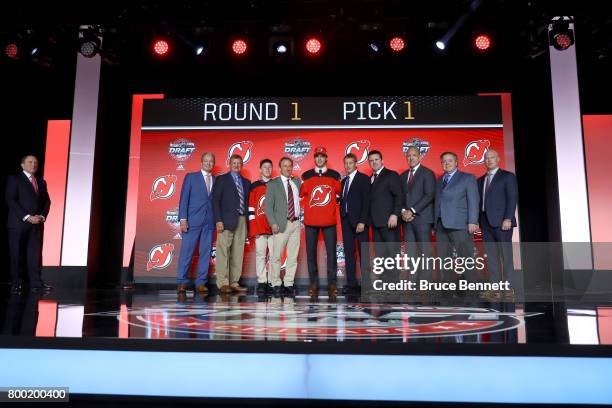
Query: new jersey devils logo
{"points": [[360, 148], [321, 196], [261, 205], [243, 149], [163, 187], [160, 256], [475, 152]]}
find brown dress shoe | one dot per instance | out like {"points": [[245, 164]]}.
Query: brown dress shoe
{"points": [[313, 289], [202, 288], [239, 289], [332, 290], [182, 288], [225, 289]]}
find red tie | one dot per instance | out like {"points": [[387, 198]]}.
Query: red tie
{"points": [[410, 175], [290, 203], [34, 183]]}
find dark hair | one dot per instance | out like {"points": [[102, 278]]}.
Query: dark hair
{"points": [[264, 161], [451, 153], [373, 152], [235, 156], [351, 156], [23, 158], [283, 159]]}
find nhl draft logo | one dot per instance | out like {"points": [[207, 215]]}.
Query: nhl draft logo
{"points": [[475, 152], [321, 196], [422, 145], [160, 256], [360, 148], [163, 187], [261, 205], [243, 149], [297, 149], [181, 150], [173, 222]]}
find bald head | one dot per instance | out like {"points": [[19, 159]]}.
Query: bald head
{"points": [[491, 159]]}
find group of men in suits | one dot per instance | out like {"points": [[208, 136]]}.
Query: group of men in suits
{"points": [[454, 207]]}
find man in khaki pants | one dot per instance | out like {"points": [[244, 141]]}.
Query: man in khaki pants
{"points": [[283, 212], [230, 199]]}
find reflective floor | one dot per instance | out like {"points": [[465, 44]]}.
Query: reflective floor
{"points": [[151, 313]]}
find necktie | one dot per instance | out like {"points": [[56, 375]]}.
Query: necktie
{"points": [[290, 203], [488, 181], [374, 177], [410, 175], [445, 180], [208, 183], [486, 189], [347, 181], [34, 184], [238, 182]]}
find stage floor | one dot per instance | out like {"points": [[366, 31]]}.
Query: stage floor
{"points": [[150, 313]]}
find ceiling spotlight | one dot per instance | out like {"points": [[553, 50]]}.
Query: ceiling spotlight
{"points": [[313, 46], [34, 51], [11, 50], [239, 47], [199, 50], [374, 47], [560, 35], [482, 42], [281, 49], [440, 45], [89, 41]]}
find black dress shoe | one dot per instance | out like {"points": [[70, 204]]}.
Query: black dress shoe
{"points": [[269, 289], [290, 290], [262, 288], [351, 290], [276, 291]]}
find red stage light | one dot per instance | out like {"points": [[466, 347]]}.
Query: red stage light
{"points": [[239, 47], [161, 47], [482, 42], [11, 50], [313, 46], [397, 44], [564, 41]]}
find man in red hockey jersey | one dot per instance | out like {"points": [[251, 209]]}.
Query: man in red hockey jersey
{"points": [[259, 227], [320, 190]]}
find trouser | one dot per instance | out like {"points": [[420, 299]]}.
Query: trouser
{"points": [[418, 243], [312, 242], [386, 241], [289, 239], [498, 247], [462, 242], [203, 235], [349, 236], [25, 243], [230, 252], [263, 247]]}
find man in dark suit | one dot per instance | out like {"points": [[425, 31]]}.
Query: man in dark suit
{"points": [[498, 199], [28, 206], [385, 206], [456, 212], [418, 193], [197, 224], [354, 209], [230, 198]]}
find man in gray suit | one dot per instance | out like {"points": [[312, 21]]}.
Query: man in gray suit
{"points": [[283, 212], [456, 212], [418, 193]]}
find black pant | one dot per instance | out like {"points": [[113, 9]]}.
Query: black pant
{"points": [[25, 243], [386, 241], [418, 243], [312, 242], [498, 247], [349, 236]]}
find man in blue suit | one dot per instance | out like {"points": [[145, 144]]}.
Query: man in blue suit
{"points": [[456, 211], [230, 200], [498, 199], [197, 224]]}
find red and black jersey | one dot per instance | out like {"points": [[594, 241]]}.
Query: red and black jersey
{"points": [[320, 192], [258, 222]]}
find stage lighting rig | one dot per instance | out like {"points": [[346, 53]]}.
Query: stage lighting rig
{"points": [[90, 40], [560, 35]]}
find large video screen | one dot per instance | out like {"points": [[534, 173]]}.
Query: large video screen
{"points": [[175, 133]]}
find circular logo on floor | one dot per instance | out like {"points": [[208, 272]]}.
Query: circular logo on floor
{"points": [[297, 321]]}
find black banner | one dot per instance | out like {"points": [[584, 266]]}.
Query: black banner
{"points": [[323, 112]]}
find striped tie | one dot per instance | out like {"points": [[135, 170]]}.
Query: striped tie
{"points": [[238, 182], [290, 203]]}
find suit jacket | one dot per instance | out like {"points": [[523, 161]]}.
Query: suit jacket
{"points": [[22, 200], [357, 199], [501, 198], [457, 204], [195, 204], [276, 202], [419, 194], [385, 198], [226, 200]]}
